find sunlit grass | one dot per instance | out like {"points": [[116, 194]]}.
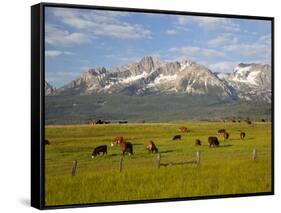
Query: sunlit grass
{"points": [[228, 169]]}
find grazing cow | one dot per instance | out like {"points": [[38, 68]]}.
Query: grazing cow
{"points": [[213, 141], [249, 122], [233, 120], [183, 129], [197, 142], [151, 147], [126, 147], [221, 131], [242, 135], [117, 140], [98, 150], [47, 142], [226, 135], [123, 122], [106, 122], [262, 120], [177, 137], [98, 122]]}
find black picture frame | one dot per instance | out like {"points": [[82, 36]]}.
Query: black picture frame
{"points": [[38, 103]]}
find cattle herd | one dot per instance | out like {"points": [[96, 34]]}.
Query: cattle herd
{"points": [[127, 147]]}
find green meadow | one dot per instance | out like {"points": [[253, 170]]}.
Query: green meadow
{"points": [[227, 169]]}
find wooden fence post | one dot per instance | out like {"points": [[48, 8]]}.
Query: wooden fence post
{"points": [[74, 167], [158, 160], [121, 164], [254, 154], [197, 157]]}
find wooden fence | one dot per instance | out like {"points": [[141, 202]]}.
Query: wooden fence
{"points": [[196, 160]]}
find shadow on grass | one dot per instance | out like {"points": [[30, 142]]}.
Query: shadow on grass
{"points": [[167, 151], [224, 145], [138, 144]]}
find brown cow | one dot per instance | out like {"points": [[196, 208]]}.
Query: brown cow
{"points": [[197, 142], [249, 122], [221, 131], [126, 147], [226, 135], [213, 141], [117, 140], [242, 135], [183, 129], [151, 147]]}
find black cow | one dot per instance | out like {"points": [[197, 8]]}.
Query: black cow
{"points": [[213, 141], [98, 150], [177, 137], [123, 122], [197, 142], [47, 142]]}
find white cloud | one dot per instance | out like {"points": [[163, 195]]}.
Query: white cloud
{"points": [[209, 23], [58, 37], [54, 53], [196, 53], [171, 32], [266, 39], [224, 66], [61, 78], [251, 49], [101, 23], [223, 39]]}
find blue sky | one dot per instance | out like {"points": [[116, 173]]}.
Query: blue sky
{"points": [[78, 39]]}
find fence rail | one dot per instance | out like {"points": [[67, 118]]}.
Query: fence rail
{"points": [[195, 161]]}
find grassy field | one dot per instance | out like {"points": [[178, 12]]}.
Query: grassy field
{"points": [[228, 169]]}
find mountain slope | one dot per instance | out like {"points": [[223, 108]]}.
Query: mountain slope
{"points": [[49, 89], [252, 81]]}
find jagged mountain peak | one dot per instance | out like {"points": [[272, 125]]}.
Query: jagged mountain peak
{"points": [[152, 75], [49, 89]]}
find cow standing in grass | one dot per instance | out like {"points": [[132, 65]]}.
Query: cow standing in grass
{"points": [[197, 142], [151, 147], [117, 140], [242, 135], [100, 149], [226, 135], [126, 147], [176, 137], [183, 129], [213, 141], [221, 131]]}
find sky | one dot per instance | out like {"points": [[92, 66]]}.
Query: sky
{"points": [[79, 39]]}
